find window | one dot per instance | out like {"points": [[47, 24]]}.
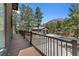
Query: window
{"points": [[2, 41]]}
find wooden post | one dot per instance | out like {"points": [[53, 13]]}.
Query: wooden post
{"points": [[30, 38], [8, 25], [74, 47]]}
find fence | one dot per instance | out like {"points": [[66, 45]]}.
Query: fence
{"points": [[53, 46]]}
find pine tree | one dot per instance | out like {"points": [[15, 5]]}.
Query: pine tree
{"points": [[26, 17], [74, 16], [38, 16], [22, 15]]}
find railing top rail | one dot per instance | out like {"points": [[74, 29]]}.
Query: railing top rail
{"points": [[72, 41], [52, 37], [55, 38]]}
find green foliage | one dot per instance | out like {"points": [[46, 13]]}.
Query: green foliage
{"points": [[74, 17], [15, 16], [16, 19], [29, 18], [68, 24], [74, 14], [38, 16], [26, 17]]}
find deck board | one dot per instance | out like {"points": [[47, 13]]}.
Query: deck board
{"points": [[17, 44], [29, 52]]}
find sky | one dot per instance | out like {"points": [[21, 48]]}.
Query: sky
{"points": [[51, 10]]}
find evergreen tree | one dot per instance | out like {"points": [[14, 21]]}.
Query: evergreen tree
{"points": [[26, 17], [22, 15], [74, 16], [38, 16]]}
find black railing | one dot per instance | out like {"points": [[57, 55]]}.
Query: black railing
{"points": [[53, 46]]}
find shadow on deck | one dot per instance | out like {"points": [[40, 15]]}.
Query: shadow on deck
{"points": [[19, 44]]}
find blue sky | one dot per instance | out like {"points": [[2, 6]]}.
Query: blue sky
{"points": [[52, 10]]}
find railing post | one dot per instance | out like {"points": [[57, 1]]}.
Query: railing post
{"points": [[30, 38], [74, 47]]}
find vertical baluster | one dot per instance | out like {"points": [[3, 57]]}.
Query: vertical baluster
{"points": [[46, 45], [42, 44], [35, 39], [53, 47], [66, 49], [61, 48], [30, 38], [39, 44], [57, 47], [50, 47]]}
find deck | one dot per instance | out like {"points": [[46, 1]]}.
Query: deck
{"points": [[21, 47], [29, 52]]}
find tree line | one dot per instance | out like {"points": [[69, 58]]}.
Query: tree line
{"points": [[69, 25], [28, 17]]}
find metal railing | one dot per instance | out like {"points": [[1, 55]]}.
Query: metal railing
{"points": [[53, 46]]}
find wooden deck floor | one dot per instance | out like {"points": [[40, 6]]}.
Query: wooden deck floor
{"points": [[17, 44], [29, 52]]}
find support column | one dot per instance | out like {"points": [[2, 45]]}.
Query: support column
{"points": [[8, 24]]}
